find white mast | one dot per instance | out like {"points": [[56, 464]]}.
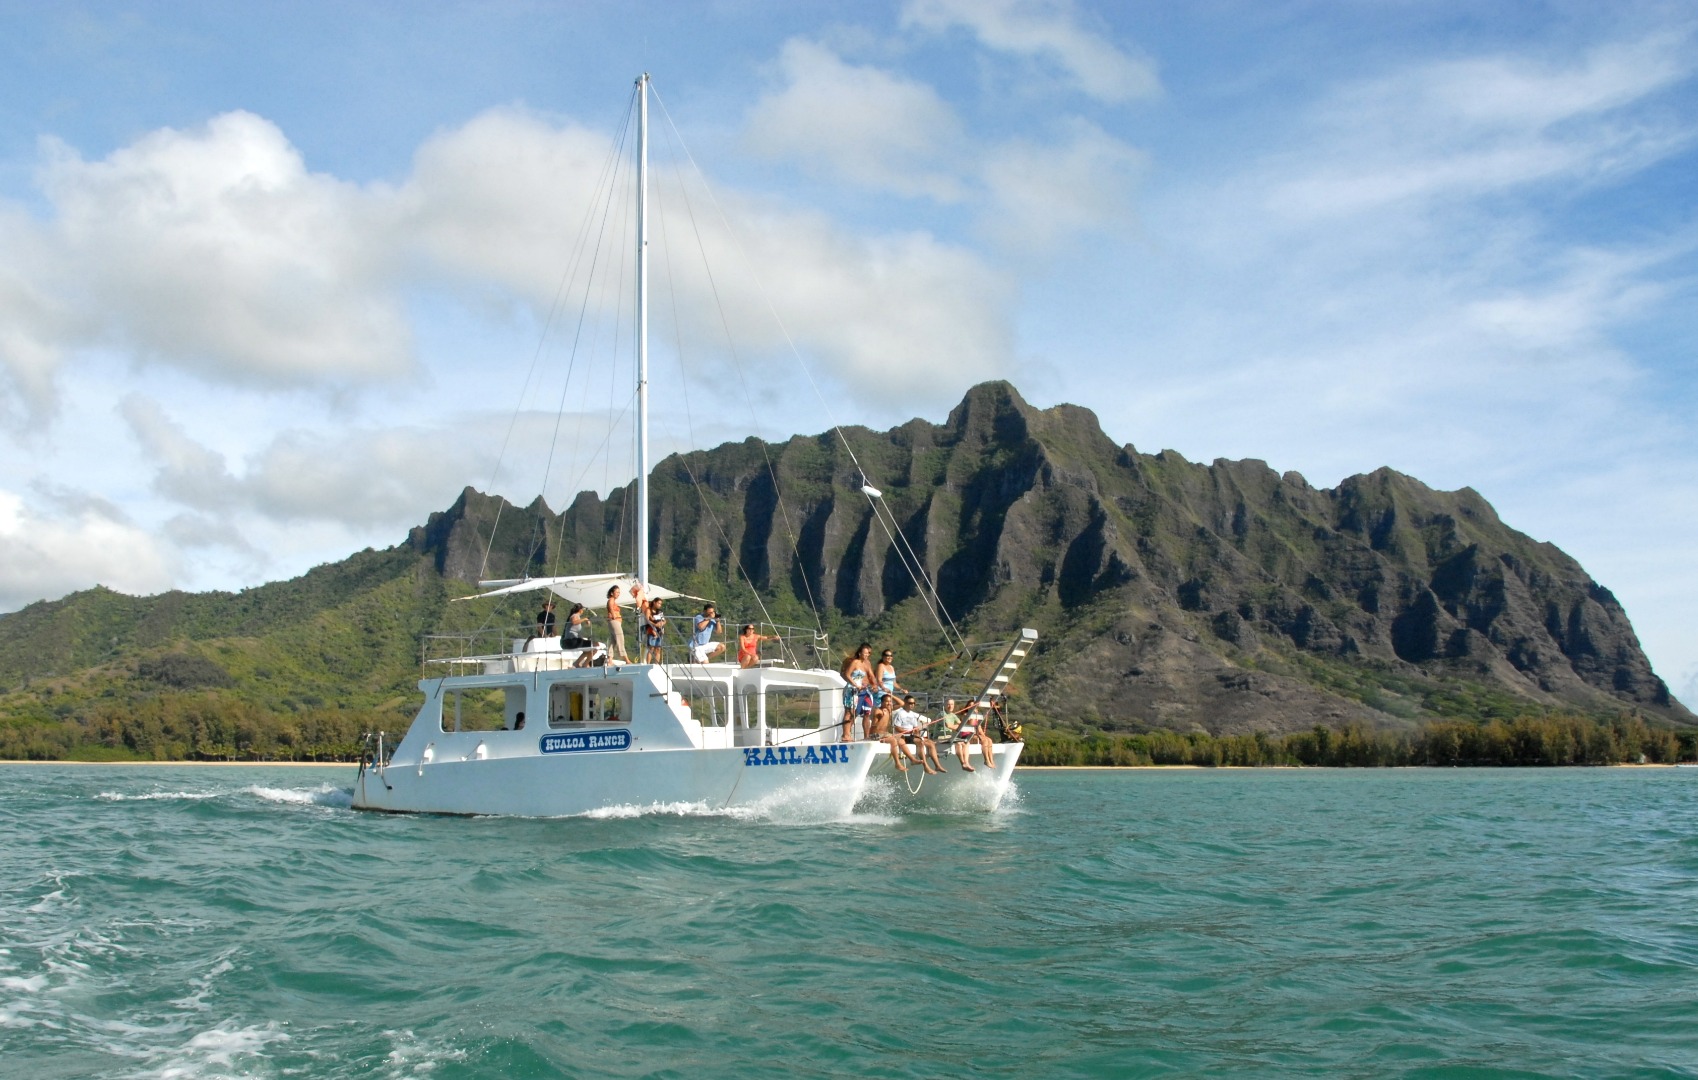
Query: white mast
{"points": [[643, 330]]}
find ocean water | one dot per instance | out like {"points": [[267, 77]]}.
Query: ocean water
{"points": [[202, 922]]}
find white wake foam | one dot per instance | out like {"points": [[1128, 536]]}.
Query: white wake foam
{"points": [[214, 1052], [412, 1056], [801, 803], [323, 795]]}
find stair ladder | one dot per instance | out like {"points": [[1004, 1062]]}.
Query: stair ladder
{"points": [[996, 685]]}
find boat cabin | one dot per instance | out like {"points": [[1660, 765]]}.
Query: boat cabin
{"points": [[513, 712]]}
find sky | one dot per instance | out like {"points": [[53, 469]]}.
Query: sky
{"points": [[278, 280]]}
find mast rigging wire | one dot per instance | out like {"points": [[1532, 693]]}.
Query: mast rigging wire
{"points": [[609, 165], [736, 359], [922, 581]]}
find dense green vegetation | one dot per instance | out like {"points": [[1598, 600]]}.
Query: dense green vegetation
{"points": [[1525, 740], [211, 724], [1166, 594]]}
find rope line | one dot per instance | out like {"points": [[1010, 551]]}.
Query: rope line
{"points": [[609, 166], [725, 324]]}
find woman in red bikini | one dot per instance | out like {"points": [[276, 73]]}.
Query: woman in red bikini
{"points": [[749, 646]]}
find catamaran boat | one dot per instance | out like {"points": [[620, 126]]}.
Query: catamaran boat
{"points": [[537, 725], [708, 736]]}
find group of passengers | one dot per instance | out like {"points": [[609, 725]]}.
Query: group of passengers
{"points": [[873, 697], [651, 630]]}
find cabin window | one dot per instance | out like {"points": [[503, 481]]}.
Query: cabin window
{"points": [[491, 708], [710, 703], [790, 707], [588, 703]]}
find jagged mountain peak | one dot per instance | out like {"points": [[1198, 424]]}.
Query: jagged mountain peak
{"points": [[1169, 593], [1167, 589]]}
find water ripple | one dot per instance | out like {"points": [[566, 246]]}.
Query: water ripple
{"points": [[176, 922]]}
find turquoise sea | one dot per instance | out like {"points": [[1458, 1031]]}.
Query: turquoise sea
{"points": [[201, 922]]}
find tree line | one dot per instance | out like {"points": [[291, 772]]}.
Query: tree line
{"points": [[195, 727], [214, 726], [1527, 740]]}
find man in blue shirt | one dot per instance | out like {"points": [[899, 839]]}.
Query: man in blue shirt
{"points": [[702, 646]]}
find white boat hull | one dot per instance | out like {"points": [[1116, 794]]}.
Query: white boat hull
{"points": [[821, 782], [954, 790], [859, 776]]}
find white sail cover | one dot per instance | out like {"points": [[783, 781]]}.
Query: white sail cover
{"points": [[589, 590]]}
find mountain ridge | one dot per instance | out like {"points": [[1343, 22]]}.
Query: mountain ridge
{"points": [[1223, 597]]}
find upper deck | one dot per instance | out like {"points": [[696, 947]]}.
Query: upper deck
{"points": [[497, 681]]}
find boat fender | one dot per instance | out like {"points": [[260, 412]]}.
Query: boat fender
{"points": [[427, 757]]}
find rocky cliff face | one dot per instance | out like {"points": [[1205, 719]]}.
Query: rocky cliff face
{"points": [[1170, 594]]}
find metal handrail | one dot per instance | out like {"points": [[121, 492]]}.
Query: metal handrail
{"points": [[798, 646]]}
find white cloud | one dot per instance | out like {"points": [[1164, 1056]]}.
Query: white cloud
{"points": [[1586, 292], [1042, 195], [217, 251], [189, 473], [900, 314], [1047, 31], [881, 131], [357, 478], [1050, 33], [505, 201], [361, 478], [32, 324], [860, 124], [1468, 127], [65, 542]]}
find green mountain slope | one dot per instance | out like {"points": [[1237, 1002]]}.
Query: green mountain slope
{"points": [[1225, 598]]}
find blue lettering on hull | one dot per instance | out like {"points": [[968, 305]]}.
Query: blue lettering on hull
{"points": [[793, 755], [573, 741]]}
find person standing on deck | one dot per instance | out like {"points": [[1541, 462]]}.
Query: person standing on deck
{"points": [[857, 671], [884, 674], [615, 628], [654, 630]]}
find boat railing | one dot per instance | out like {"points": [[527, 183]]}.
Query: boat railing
{"points": [[963, 678], [469, 651], [473, 651], [375, 749], [797, 646]]}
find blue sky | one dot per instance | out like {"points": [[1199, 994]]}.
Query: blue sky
{"points": [[271, 276]]}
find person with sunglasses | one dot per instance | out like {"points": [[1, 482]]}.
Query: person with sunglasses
{"points": [[884, 674]]}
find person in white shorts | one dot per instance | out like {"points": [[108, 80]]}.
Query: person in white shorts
{"points": [[909, 726], [702, 646]]}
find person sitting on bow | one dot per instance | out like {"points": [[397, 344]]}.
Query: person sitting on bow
{"points": [[971, 729], [907, 727]]}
